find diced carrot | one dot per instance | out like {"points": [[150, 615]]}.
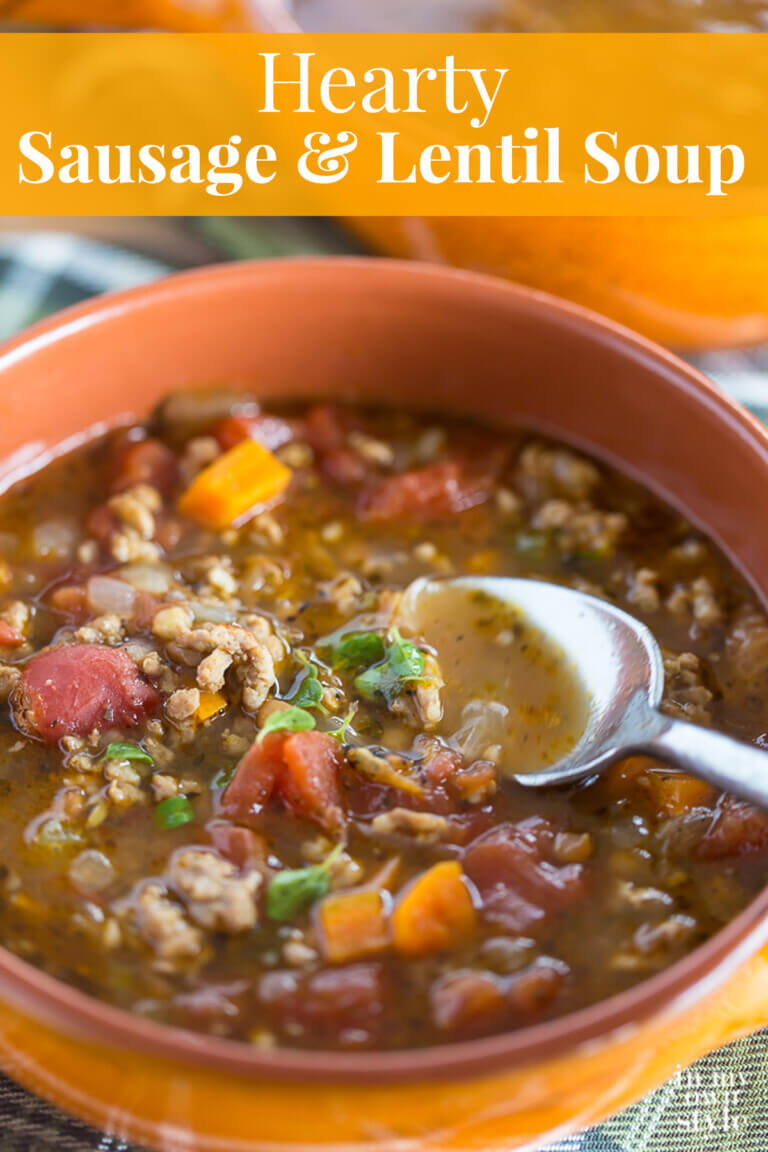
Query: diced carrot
{"points": [[435, 912], [352, 925], [675, 793], [211, 703], [671, 793], [619, 779], [245, 477]]}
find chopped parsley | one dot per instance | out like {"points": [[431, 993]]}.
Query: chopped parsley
{"points": [[173, 812], [294, 888], [292, 719], [119, 751], [403, 665]]}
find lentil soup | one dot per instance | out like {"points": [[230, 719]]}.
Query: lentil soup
{"points": [[239, 795]]}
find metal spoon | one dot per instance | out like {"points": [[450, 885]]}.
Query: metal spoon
{"points": [[619, 666]]}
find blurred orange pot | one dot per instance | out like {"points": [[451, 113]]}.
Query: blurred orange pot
{"points": [[400, 334], [686, 281], [689, 282]]}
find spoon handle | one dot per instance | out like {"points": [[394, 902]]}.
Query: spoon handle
{"points": [[720, 760]]}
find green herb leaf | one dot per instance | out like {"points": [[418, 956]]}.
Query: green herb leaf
{"points": [[289, 720], [120, 751], [173, 812], [406, 660], [402, 665], [600, 550], [358, 649], [223, 776], [294, 888], [340, 733], [309, 691]]}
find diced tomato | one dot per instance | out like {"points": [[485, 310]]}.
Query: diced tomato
{"points": [[344, 467], [10, 637], [309, 783], [737, 829], [240, 845], [531, 991], [168, 531], [324, 428], [432, 493], [301, 769], [253, 783], [345, 1006], [476, 783], [518, 885], [145, 608], [102, 524], [440, 768], [146, 462], [71, 600], [73, 689], [270, 431], [467, 1002], [470, 1003]]}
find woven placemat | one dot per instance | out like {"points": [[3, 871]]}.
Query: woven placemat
{"points": [[718, 1105]]}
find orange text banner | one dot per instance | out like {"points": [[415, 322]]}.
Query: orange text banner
{"points": [[383, 124]]}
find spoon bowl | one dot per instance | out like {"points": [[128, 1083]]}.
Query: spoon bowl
{"points": [[617, 665]]}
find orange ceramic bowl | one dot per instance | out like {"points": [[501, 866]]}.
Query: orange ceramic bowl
{"points": [[403, 334]]}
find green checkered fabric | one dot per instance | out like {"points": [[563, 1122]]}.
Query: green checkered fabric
{"points": [[721, 1104]]}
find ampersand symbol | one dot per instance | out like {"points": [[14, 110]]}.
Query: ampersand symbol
{"points": [[322, 164]]}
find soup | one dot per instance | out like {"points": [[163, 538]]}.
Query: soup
{"points": [[240, 794]]}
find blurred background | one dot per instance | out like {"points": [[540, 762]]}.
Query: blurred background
{"points": [[47, 264]]}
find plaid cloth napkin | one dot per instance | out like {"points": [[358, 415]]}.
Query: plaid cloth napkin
{"points": [[721, 1104]]}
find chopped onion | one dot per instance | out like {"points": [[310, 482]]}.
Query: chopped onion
{"points": [[91, 871], [201, 407], [54, 538], [484, 723], [107, 595], [212, 612], [154, 578]]}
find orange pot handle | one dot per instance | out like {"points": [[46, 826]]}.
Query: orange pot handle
{"points": [[168, 15]]}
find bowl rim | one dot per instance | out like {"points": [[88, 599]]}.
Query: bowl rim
{"points": [[676, 988]]}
